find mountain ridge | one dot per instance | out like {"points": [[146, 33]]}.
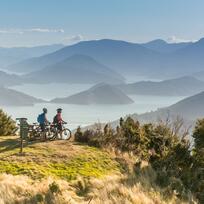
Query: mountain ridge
{"points": [[10, 97], [76, 69], [13, 55], [183, 86], [98, 94]]}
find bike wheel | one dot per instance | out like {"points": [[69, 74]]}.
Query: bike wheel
{"points": [[53, 135], [66, 134]]}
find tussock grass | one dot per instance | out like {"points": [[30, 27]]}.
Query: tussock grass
{"points": [[61, 172], [108, 190]]}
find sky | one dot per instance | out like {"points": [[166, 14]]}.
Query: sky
{"points": [[39, 22]]}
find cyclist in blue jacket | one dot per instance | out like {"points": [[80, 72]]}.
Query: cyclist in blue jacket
{"points": [[42, 120]]}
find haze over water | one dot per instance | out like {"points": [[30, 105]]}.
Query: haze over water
{"points": [[83, 115]]}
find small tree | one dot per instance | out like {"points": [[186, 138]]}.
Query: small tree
{"points": [[7, 125], [198, 135], [198, 155]]}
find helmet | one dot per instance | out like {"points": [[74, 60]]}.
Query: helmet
{"points": [[59, 110], [44, 110]]}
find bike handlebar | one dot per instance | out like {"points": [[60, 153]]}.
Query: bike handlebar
{"points": [[47, 124]]}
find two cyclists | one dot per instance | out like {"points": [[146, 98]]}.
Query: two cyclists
{"points": [[57, 121]]}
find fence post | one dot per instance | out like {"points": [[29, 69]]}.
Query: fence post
{"points": [[23, 131]]}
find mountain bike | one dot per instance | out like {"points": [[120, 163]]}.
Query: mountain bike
{"points": [[55, 132], [34, 132], [51, 132]]}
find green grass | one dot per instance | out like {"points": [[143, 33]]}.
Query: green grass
{"points": [[60, 159]]}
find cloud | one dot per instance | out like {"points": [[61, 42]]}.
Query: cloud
{"points": [[73, 39], [31, 30], [11, 31], [174, 39], [44, 30]]}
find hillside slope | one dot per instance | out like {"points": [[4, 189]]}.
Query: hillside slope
{"points": [[9, 79], [59, 159], [183, 86], [162, 46], [62, 172], [99, 94], [12, 55], [11, 97], [190, 109], [76, 69]]}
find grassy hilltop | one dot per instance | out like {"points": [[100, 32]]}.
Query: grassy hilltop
{"points": [[67, 172], [59, 159], [134, 164]]}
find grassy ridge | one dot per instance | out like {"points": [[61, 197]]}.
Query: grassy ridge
{"points": [[58, 159], [62, 172]]}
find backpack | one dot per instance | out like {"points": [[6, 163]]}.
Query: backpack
{"points": [[41, 118], [55, 120]]}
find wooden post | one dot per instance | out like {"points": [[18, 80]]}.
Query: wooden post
{"points": [[21, 145], [23, 131]]}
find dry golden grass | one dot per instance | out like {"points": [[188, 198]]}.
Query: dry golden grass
{"points": [[100, 177], [109, 190]]}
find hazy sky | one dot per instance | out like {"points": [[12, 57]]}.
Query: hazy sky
{"points": [[35, 22]]}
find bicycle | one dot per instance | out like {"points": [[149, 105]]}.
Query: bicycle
{"points": [[65, 133], [51, 132], [34, 132]]}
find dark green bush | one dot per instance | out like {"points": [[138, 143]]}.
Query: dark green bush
{"points": [[89, 137], [179, 167], [7, 125], [198, 135], [39, 198], [198, 155], [54, 187]]}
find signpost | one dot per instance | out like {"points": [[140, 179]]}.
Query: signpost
{"points": [[23, 131]]}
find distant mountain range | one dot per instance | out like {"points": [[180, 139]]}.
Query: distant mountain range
{"points": [[154, 59], [164, 47], [9, 79], [118, 55], [14, 55], [11, 97], [190, 109], [76, 69], [183, 86], [99, 94]]}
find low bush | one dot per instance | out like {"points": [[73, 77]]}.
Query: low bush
{"points": [[7, 125], [164, 146]]}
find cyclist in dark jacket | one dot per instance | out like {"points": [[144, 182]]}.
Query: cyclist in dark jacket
{"points": [[58, 121]]}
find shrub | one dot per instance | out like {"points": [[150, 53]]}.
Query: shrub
{"points": [[7, 125], [164, 145], [198, 156], [39, 198], [54, 188], [89, 137], [78, 136], [82, 186], [198, 134]]}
